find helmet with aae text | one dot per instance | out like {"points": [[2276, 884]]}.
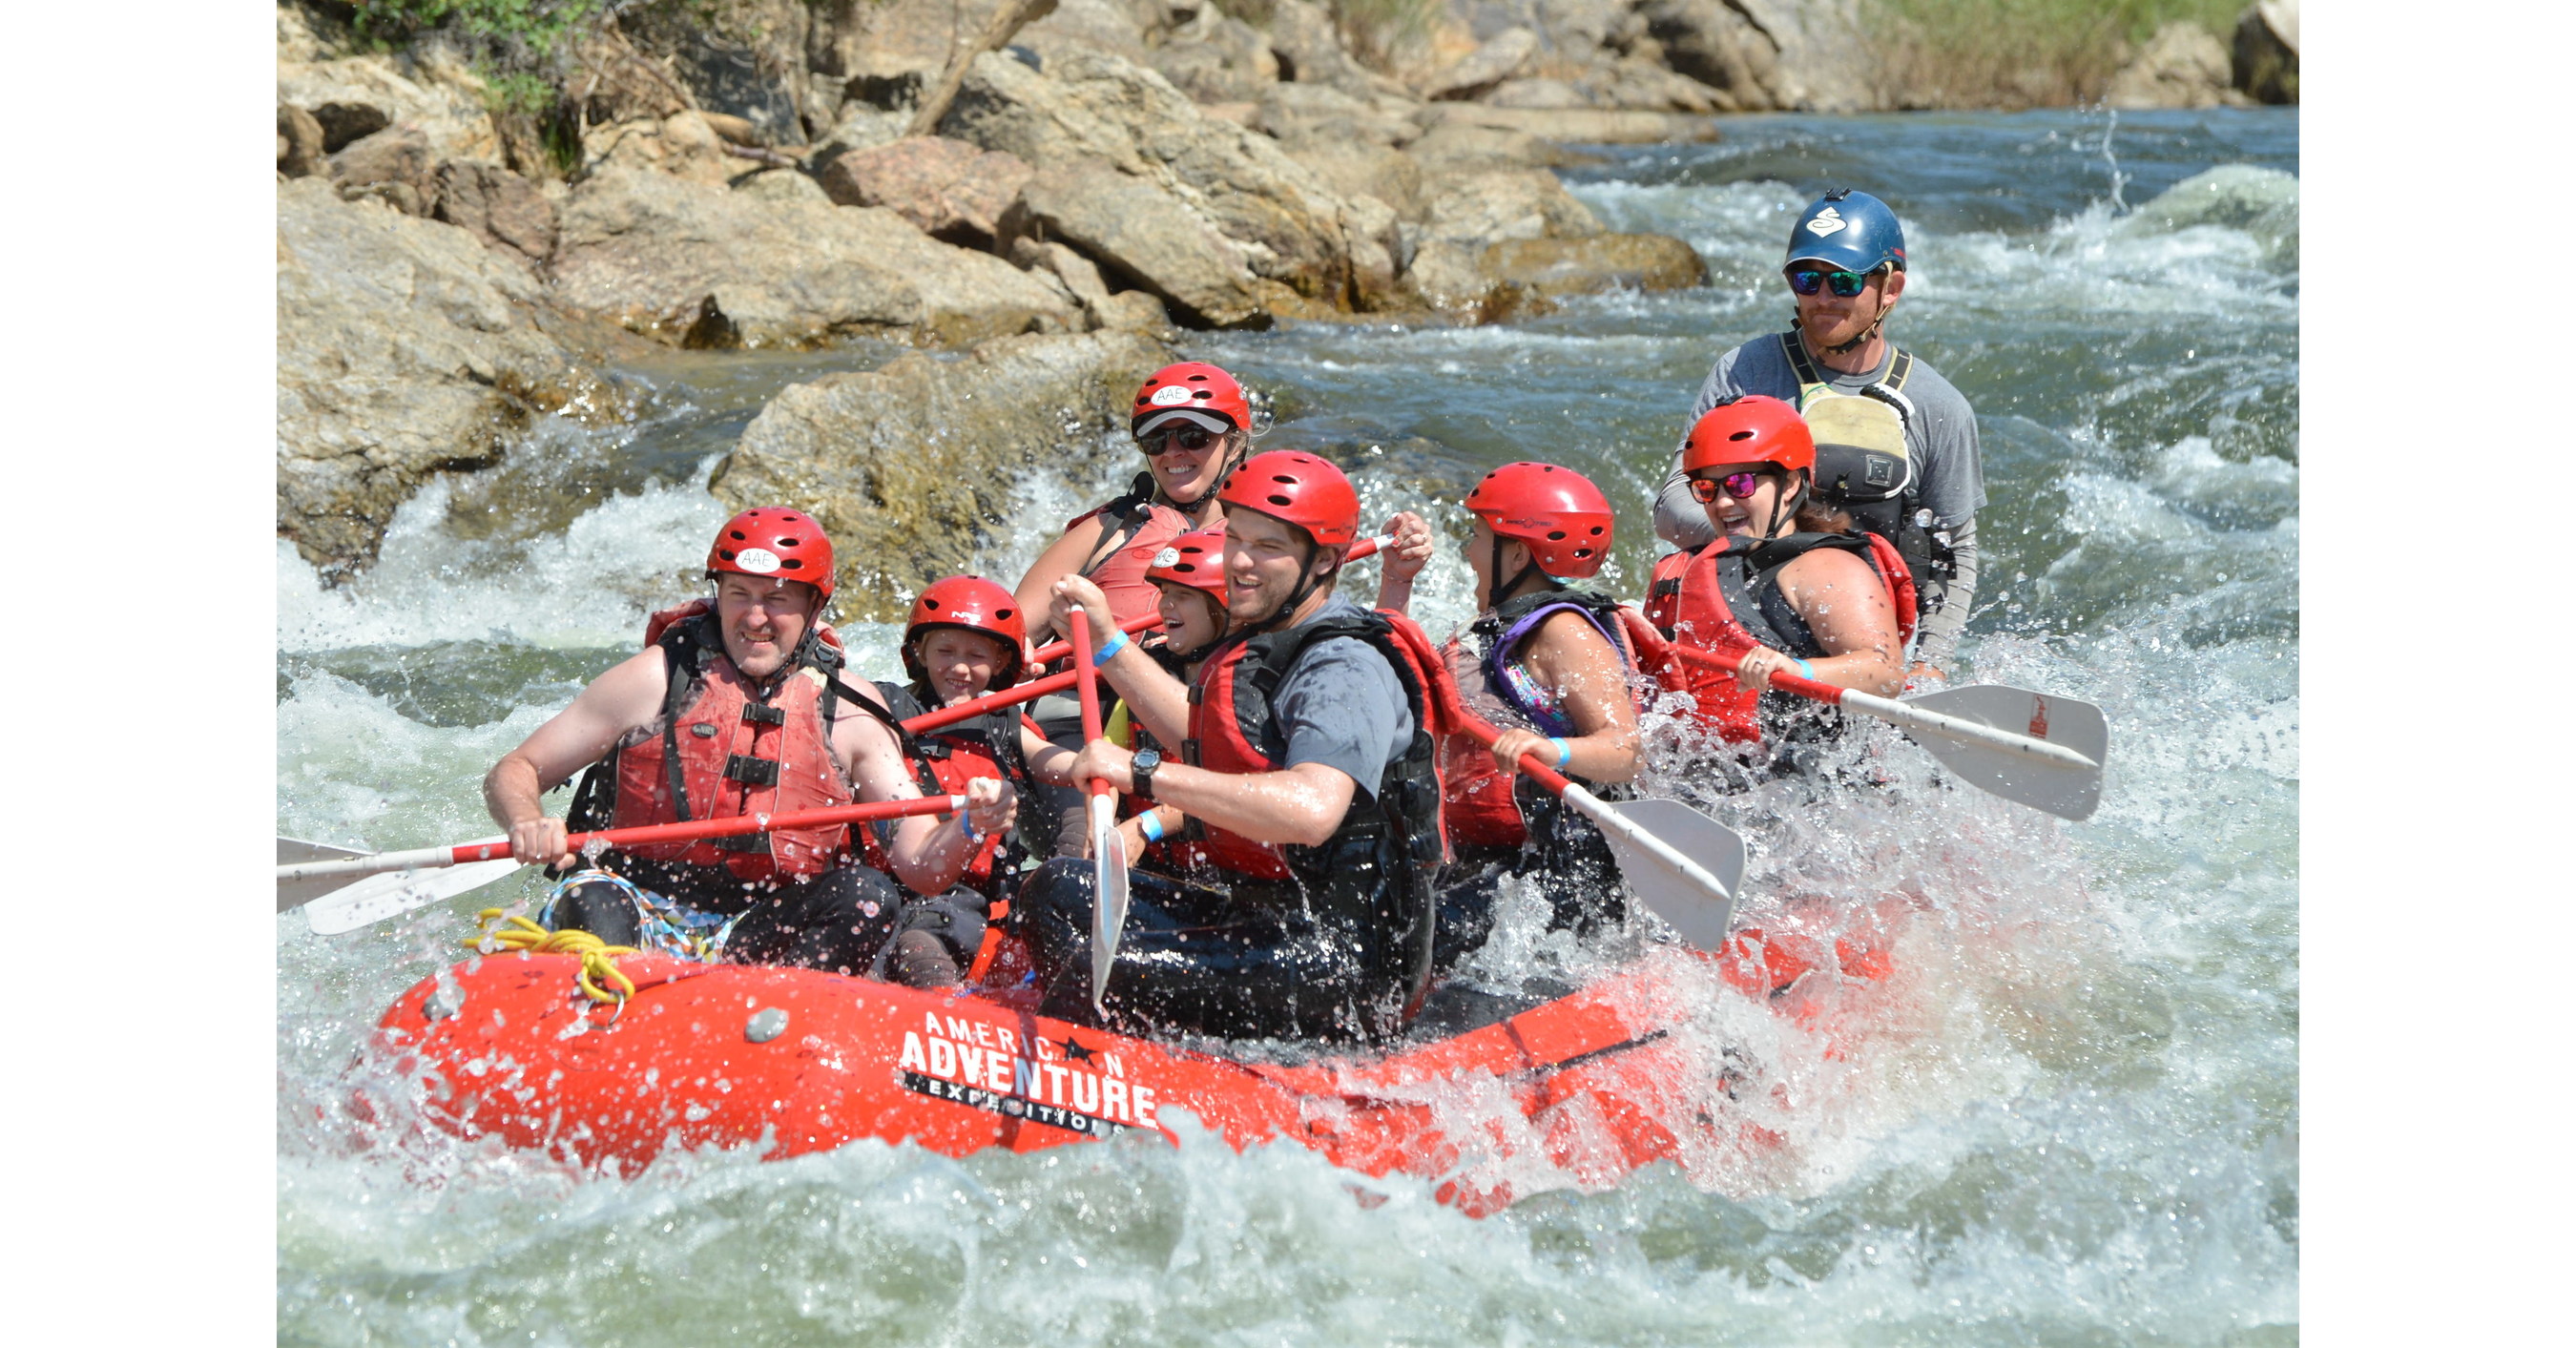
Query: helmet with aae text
{"points": [[1195, 560], [774, 544], [1192, 391]]}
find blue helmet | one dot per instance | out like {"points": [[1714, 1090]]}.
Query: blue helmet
{"points": [[1850, 230]]}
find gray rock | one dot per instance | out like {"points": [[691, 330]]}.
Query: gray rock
{"points": [[1310, 51], [1558, 267], [1538, 93], [1360, 168], [1493, 61], [686, 262], [497, 206], [359, 96], [1714, 43], [947, 188], [404, 347], [1303, 115], [394, 164], [682, 145], [1464, 213], [1208, 173], [913, 466], [2183, 66], [1215, 59], [1145, 236]]}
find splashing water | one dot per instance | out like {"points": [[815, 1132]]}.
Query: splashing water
{"points": [[2068, 1113]]}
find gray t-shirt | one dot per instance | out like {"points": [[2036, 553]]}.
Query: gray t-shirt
{"points": [[1941, 436], [1342, 706]]}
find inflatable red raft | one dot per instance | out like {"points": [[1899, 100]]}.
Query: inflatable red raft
{"points": [[802, 1061]]}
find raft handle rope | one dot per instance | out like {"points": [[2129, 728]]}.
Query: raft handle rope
{"points": [[598, 957]]}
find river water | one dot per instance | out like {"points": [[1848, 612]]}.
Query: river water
{"points": [[2071, 1117]]}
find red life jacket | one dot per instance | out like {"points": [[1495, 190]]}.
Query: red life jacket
{"points": [[1726, 598], [943, 761], [1136, 528], [1370, 881], [1479, 802], [1231, 720], [723, 748]]}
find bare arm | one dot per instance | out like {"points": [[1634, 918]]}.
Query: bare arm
{"points": [[625, 698], [1846, 606], [1398, 565], [927, 854], [1048, 761], [1299, 804], [1568, 654], [1062, 558], [1154, 698]]}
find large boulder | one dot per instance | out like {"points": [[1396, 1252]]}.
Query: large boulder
{"points": [[1310, 50], [404, 347], [1495, 60], [1464, 213], [913, 467], [1145, 236], [682, 144], [356, 97], [1558, 267], [1225, 178], [2265, 63], [948, 189], [1215, 59], [699, 265], [1303, 115], [892, 51], [497, 206], [2183, 66], [1762, 55]]}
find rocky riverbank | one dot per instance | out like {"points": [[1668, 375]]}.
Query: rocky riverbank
{"points": [[1057, 186]]}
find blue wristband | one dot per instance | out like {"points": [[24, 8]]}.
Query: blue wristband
{"points": [[1564, 753], [1151, 825], [966, 823], [1100, 655], [1805, 670]]}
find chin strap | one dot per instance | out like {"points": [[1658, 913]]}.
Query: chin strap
{"points": [[1305, 589]]}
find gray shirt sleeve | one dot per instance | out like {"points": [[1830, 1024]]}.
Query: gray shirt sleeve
{"points": [[1679, 519], [1341, 705]]}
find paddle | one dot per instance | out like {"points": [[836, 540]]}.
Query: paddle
{"points": [[1108, 854], [484, 860], [1062, 679], [2035, 749], [1681, 864]]}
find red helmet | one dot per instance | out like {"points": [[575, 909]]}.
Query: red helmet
{"points": [[1193, 391], [1195, 559], [977, 605], [1302, 490], [1563, 518], [1750, 429], [773, 544]]}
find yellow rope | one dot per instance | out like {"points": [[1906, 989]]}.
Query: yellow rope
{"points": [[598, 957]]}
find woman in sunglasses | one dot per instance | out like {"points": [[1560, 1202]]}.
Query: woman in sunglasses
{"points": [[1193, 423], [1896, 443], [1830, 606]]}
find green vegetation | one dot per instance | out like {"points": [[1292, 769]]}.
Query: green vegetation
{"points": [[535, 27], [2020, 53]]}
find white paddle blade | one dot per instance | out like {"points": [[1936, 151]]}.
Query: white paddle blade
{"points": [[378, 897], [295, 852], [2059, 789], [1108, 893], [1682, 865]]}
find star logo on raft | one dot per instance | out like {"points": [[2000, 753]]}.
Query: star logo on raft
{"points": [[1827, 221]]}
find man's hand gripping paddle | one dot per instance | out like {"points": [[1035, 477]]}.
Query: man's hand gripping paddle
{"points": [[2035, 749], [1108, 854], [307, 872], [1681, 864]]}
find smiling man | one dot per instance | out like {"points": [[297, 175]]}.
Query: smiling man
{"points": [[1896, 444], [737, 707], [1302, 902]]}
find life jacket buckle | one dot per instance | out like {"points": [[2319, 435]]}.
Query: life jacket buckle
{"points": [[751, 770]]}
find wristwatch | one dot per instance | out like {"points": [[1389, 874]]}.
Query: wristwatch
{"points": [[1142, 766]]}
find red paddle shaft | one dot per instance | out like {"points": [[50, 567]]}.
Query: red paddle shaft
{"points": [[1831, 694], [1090, 685], [1062, 679], [464, 853]]}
